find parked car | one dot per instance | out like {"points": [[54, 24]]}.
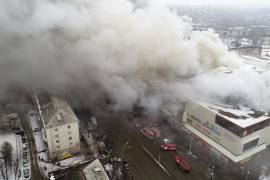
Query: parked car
{"points": [[20, 132], [37, 129], [25, 145], [147, 132], [25, 148], [26, 173], [24, 155], [25, 163], [168, 147], [156, 131], [23, 139], [182, 163]]}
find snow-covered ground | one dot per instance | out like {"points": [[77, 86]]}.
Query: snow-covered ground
{"points": [[16, 143], [38, 136]]}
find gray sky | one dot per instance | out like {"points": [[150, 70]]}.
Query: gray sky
{"points": [[257, 3]]}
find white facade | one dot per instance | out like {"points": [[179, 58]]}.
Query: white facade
{"points": [[63, 140], [236, 133]]}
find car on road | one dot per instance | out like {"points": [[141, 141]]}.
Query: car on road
{"points": [[19, 173], [147, 132], [26, 173], [182, 163], [126, 165], [168, 147]]}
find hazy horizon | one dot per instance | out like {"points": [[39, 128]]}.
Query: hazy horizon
{"points": [[230, 3]]}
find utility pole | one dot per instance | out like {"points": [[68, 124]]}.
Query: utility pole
{"points": [[190, 145], [124, 147]]}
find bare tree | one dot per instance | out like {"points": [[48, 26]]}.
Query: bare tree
{"points": [[6, 150], [3, 171], [15, 167]]}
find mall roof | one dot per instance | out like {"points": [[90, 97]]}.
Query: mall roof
{"points": [[241, 116]]}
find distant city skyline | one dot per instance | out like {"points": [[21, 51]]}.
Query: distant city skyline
{"points": [[239, 3]]}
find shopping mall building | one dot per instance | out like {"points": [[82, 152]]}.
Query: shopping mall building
{"points": [[237, 133]]}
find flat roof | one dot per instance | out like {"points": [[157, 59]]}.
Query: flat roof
{"points": [[95, 171], [241, 116], [223, 150]]}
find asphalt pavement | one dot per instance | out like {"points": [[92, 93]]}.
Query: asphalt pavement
{"points": [[143, 166]]}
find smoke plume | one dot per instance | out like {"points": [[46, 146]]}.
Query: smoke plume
{"points": [[129, 51]]}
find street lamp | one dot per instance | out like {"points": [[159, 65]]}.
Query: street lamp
{"points": [[212, 170], [190, 144], [124, 147]]}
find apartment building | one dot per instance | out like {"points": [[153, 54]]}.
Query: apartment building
{"points": [[60, 127]]}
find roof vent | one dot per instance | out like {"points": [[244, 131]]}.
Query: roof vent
{"points": [[59, 117]]}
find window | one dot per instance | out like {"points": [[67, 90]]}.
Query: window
{"points": [[57, 141], [56, 136], [70, 138], [69, 132], [56, 129], [58, 147], [258, 126], [68, 126], [70, 143], [250, 144], [228, 125]]}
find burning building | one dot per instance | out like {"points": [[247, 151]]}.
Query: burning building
{"points": [[237, 133], [60, 127]]}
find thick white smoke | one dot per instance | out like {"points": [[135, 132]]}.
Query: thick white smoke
{"points": [[130, 51]]}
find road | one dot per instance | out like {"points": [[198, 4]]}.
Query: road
{"points": [[35, 171], [120, 131], [143, 167]]}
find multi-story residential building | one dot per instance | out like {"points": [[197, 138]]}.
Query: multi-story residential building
{"points": [[60, 127], [236, 133]]}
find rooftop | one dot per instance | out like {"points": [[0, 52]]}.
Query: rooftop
{"points": [[241, 116], [56, 111], [95, 171]]}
